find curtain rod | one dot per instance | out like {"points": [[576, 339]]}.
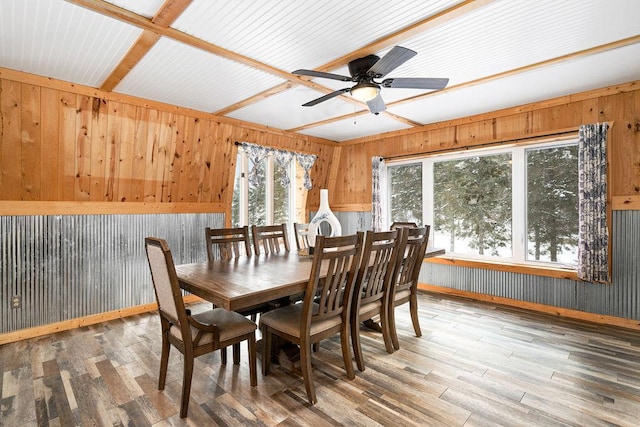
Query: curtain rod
{"points": [[572, 131]]}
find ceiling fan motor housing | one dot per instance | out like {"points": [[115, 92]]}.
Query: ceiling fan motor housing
{"points": [[358, 67]]}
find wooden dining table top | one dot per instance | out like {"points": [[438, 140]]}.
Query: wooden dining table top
{"points": [[243, 282]]}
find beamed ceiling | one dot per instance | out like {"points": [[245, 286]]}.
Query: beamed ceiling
{"points": [[235, 58]]}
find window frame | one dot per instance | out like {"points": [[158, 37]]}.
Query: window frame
{"points": [[519, 202], [243, 170]]}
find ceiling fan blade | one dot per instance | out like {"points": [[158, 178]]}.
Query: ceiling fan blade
{"points": [[313, 73], [392, 60], [376, 105], [326, 97], [416, 83]]}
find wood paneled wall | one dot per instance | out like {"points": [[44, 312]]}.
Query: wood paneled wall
{"points": [[63, 142], [619, 105]]}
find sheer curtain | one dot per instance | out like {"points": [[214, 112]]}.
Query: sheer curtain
{"points": [[593, 237], [378, 194]]}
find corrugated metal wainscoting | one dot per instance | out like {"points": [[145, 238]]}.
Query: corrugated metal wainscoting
{"points": [[621, 298], [65, 267]]}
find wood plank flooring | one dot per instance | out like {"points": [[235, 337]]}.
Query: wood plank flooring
{"points": [[476, 364]]}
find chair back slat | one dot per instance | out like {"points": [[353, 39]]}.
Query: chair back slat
{"points": [[227, 243], [302, 235], [336, 260], [270, 237], [408, 265], [376, 270]]}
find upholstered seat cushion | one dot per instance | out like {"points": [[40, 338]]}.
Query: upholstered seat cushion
{"points": [[230, 325], [287, 320], [372, 307], [402, 294]]}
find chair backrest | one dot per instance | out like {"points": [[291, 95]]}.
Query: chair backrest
{"points": [[377, 267], [336, 259], [301, 231], [227, 243], [166, 286], [398, 224], [271, 237], [409, 263]]}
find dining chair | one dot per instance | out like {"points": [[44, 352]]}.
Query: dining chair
{"points": [[270, 237], [324, 311], [373, 285], [301, 231], [193, 335], [405, 286], [225, 244], [398, 224]]}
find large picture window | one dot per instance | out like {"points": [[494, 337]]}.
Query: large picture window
{"points": [[517, 204]]}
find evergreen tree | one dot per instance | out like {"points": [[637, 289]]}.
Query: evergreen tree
{"points": [[406, 193]]}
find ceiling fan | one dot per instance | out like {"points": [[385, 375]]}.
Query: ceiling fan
{"points": [[364, 70]]}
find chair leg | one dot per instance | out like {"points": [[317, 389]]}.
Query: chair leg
{"points": [[386, 333], [346, 354], [223, 355], [413, 308], [266, 350], [392, 326], [186, 384], [355, 343], [164, 362], [252, 360], [307, 373], [236, 354]]}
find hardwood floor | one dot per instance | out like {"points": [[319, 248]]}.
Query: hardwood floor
{"points": [[476, 364]]}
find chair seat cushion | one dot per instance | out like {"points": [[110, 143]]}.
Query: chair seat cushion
{"points": [[230, 325], [406, 293], [287, 320], [372, 307]]}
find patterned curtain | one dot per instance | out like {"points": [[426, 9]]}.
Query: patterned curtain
{"points": [[306, 161], [283, 159], [378, 194], [257, 153], [593, 237]]}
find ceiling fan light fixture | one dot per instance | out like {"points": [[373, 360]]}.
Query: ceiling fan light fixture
{"points": [[365, 91]]}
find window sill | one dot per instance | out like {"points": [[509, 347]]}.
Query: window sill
{"points": [[558, 273]]}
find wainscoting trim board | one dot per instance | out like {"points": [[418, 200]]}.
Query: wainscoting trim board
{"points": [[540, 308], [66, 325], [9, 207]]}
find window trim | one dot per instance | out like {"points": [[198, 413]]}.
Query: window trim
{"points": [[519, 177]]}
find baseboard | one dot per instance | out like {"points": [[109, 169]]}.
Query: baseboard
{"points": [[66, 325], [542, 308]]}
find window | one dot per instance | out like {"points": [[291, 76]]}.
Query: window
{"points": [[517, 204], [268, 202]]}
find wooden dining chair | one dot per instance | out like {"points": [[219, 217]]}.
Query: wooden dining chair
{"points": [[325, 309], [227, 243], [272, 238], [301, 231], [373, 286], [193, 335], [405, 286]]}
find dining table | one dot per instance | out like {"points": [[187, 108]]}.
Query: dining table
{"points": [[243, 282]]}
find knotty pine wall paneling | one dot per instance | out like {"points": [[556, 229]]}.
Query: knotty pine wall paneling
{"points": [[619, 105], [64, 142]]}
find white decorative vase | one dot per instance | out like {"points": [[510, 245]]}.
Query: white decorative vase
{"points": [[324, 214]]}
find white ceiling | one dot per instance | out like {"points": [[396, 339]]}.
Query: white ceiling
{"points": [[219, 54]]}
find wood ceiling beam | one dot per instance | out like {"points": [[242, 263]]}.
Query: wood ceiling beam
{"points": [[583, 53], [392, 39], [165, 16], [129, 17]]}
